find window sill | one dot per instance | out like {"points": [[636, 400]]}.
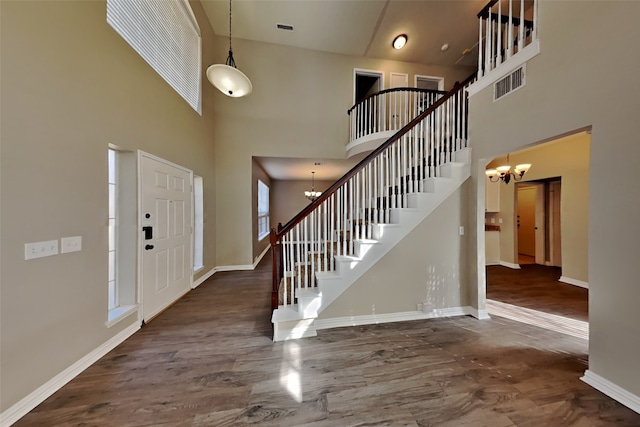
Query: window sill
{"points": [[119, 313]]}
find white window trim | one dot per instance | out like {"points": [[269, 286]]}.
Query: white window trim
{"points": [[119, 313]]}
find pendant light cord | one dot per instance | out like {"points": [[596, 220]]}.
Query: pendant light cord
{"points": [[230, 61]]}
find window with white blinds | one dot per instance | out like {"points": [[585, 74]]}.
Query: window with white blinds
{"points": [[166, 34]]}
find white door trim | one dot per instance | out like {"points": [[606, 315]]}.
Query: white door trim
{"points": [[142, 154], [439, 79], [398, 74], [364, 72]]}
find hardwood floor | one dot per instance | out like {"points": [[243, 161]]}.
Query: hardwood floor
{"points": [[209, 361], [536, 287]]}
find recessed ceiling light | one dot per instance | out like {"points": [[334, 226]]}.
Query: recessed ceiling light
{"points": [[445, 47], [400, 41]]}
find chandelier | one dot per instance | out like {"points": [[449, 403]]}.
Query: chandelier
{"points": [[313, 194], [226, 77], [504, 173]]}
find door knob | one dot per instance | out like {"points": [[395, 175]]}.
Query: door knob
{"points": [[148, 247]]}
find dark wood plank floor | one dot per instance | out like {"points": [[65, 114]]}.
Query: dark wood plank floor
{"points": [[536, 287], [209, 361]]}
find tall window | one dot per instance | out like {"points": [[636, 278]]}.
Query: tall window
{"points": [[113, 209], [166, 34], [263, 210], [198, 216], [122, 231]]}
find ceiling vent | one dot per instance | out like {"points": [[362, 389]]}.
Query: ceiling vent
{"points": [[513, 81], [285, 27]]}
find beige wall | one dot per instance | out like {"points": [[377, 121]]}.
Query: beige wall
{"points": [[584, 76], [71, 86], [288, 198], [424, 266], [298, 108], [567, 158], [259, 174]]}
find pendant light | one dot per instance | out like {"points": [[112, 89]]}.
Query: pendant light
{"points": [[313, 194], [226, 77], [504, 174]]}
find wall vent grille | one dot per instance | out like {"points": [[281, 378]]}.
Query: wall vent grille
{"points": [[513, 81]]}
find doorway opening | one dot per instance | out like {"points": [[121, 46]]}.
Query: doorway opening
{"points": [[538, 222], [429, 82], [366, 82], [541, 228]]}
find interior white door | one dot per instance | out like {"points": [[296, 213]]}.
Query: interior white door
{"points": [[540, 226], [399, 101], [166, 241]]}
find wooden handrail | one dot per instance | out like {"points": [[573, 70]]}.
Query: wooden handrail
{"points": [[485, 10], [505, 19], [395, 89], [332, 189]]}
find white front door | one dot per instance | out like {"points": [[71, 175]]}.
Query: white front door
{"points": [[166, 240]]}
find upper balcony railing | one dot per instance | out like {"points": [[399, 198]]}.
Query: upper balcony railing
{"points": [[389, 110], [507, 27]]}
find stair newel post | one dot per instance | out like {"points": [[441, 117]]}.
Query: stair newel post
{"points": [[276, 269]]}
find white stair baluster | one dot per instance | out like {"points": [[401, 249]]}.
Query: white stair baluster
{"points": [[510, 31], [480, 68], [534, 33], [499, 40], [521, 29]]}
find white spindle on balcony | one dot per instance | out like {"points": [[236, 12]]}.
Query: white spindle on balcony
{"points": [[496, 32]]}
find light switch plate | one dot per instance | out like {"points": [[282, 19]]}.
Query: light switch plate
{"points": [[40, 249], [70, 244]]}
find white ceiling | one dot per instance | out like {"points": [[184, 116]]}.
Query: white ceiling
{"points": [[357, 27], [363, 28], [288, 168]]}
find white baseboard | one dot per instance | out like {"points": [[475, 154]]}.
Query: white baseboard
{"points": [[612, 390], [239, 267], [214, 270], [200, 280], [21, 408], [371, 319], [510, 265], [574, 282], [478, 314], [259, 257]]}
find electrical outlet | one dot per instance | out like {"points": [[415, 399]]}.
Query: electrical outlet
{"points": [[70, 244], [461, 230], [40, 249], [499, 220]]}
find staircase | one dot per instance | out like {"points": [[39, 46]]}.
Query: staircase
{"points": [[337, 238]]}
